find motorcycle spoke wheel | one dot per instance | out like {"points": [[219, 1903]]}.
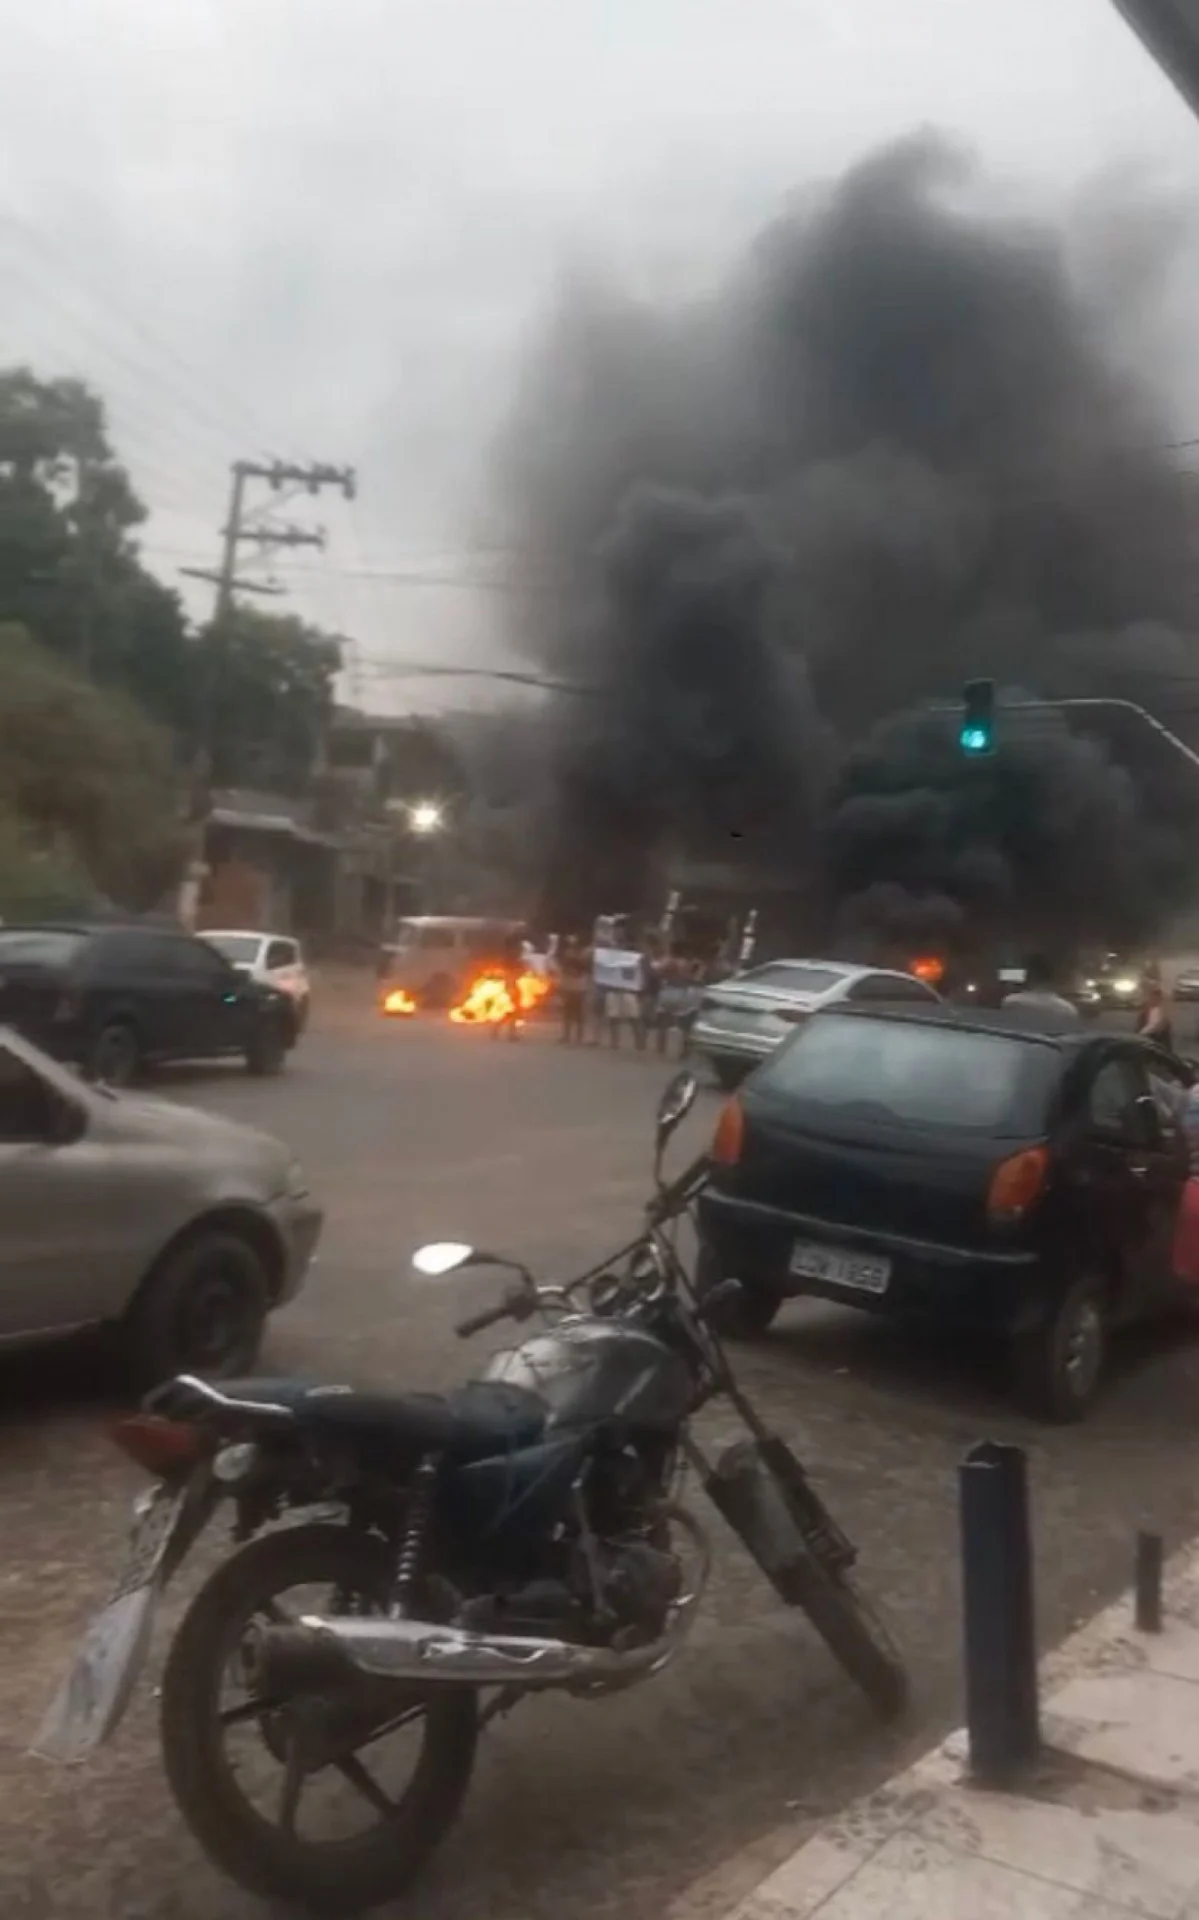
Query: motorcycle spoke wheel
{"points": [[265, 1786]]}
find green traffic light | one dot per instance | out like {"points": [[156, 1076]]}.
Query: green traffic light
{"points": [[974, 740]]}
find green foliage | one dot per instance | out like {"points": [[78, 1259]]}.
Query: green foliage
{"points": [[69, 568], [266, 697], [86, 786]]}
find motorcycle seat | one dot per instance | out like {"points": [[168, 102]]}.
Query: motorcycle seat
{"points": [[471, 1422]]}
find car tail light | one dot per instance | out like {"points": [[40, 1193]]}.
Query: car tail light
{"points": [[162, 1447], [1016, 1183], [730, 1134]]}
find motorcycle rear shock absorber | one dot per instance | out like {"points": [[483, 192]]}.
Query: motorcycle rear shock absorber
{"points": [[420, 1511]]}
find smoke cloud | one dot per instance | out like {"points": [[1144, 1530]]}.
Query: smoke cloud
{"points": [[893, 453]]}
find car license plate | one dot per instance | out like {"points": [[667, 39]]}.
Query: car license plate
{"points": [[836, 1267], [91, 1701]]}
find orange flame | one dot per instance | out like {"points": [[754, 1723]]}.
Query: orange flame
{"points": [[488, 1001], [399, 1002], [930, 968]]}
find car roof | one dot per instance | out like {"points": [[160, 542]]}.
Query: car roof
{"points": [[240, 933], [1040, 1026]]}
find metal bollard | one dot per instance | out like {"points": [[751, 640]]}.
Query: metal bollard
{"points": [[1149, 1563], [1003, 1718]]}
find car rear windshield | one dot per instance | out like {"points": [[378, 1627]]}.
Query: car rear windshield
{"points": [[238, 948], [39, 946], [787, 979], [904, 1073]]}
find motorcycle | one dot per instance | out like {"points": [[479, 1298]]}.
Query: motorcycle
{"points": [[521, 1534]]}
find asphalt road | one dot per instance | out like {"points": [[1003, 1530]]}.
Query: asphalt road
{"points": [[578, 1811]]}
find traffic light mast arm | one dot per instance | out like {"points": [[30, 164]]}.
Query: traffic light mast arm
{"points": [[1108, 702]]}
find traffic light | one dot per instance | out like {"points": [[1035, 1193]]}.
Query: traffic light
{"points": [[977, 732]]}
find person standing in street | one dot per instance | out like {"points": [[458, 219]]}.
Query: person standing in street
{"points": [[1154, 1021], [574, 977]]}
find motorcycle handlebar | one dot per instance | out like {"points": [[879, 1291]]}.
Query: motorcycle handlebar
{"points": [[478, 1321]]}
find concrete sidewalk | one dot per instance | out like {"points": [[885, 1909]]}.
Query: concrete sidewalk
{"points": [[1108, 1826]]}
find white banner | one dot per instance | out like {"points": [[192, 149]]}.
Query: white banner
{"points": [[616, 970]]}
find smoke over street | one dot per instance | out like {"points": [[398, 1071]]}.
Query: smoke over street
{"points": [[890, 454]]}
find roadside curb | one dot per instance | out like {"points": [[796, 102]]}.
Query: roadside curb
{"points": [[1118, 1789]]}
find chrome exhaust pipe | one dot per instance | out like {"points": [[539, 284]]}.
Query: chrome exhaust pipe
{"points": [[423, 1653]]}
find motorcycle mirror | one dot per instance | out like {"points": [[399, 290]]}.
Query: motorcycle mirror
{"points": [[675, 1104], [444, 1256]]}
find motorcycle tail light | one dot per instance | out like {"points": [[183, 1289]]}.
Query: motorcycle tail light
{"points": [[730, 1134], [1016, 1183], [162, 1447]]}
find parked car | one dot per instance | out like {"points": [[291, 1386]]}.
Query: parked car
{"points": [[940, 1167], [176, 1229], [115, 998], [1186, 985], [273, 959], [744, 1019]]}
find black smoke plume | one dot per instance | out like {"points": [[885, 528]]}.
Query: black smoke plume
{"points": [[890, 455]]}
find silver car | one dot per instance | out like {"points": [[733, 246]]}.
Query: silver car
{"points": [[176, 1229], [744, 1019]]}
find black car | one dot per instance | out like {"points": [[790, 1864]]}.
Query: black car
{"points": [[951, 1167], [112, 999]]}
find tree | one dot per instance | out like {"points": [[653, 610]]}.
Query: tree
{"points": [[265, 697], [87, 796], [69, 566]]}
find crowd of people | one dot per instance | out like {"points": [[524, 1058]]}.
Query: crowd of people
{"points": [[655, 996]]}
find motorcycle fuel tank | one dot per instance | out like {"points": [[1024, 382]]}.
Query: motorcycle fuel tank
{"points": [[591, 1371]]}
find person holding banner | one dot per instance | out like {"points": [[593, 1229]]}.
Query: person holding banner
{"points": [[617, 973]]}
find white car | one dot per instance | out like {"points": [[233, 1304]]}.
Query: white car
{"points": [[275, 959], [742, 1020]]}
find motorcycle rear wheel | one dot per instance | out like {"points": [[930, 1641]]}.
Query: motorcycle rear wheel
{"points": [[340, 1876]]}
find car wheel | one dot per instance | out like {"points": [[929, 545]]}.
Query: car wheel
{"points": [[113, 1056], [729, 1074], [744, 1315], [202, 1310], [1060, 1365], [267, 1049]]}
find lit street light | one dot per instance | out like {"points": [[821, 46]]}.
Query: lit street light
{"points": [[425, 817]]}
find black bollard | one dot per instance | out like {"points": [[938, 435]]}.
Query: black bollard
{"points": [[1003, 1718], [1149, 1582]]}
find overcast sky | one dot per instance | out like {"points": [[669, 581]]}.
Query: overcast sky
{"points": [[323, 228]]}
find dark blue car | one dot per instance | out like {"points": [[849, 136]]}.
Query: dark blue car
{"points": [[961, 1168]]}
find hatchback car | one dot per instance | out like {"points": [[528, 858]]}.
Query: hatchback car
{"points": [[273, 959], [112, 999], [176, 1230], [744, 1019], [961, 1170]]}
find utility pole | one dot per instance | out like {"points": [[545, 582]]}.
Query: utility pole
{"points": [[314, 476], [235, 533]]}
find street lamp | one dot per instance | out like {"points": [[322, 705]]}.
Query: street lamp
{"points": [[425, 816]]}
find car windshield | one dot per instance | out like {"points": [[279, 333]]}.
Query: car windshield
{"points": [[39, 946], [864, 1071], [784, 978], [241, 949]]}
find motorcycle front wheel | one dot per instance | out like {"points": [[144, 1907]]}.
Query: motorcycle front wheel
{"points": [[854, 1636], [336, 1837]]}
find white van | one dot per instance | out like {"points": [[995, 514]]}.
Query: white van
{"points": [[436, 956]]}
